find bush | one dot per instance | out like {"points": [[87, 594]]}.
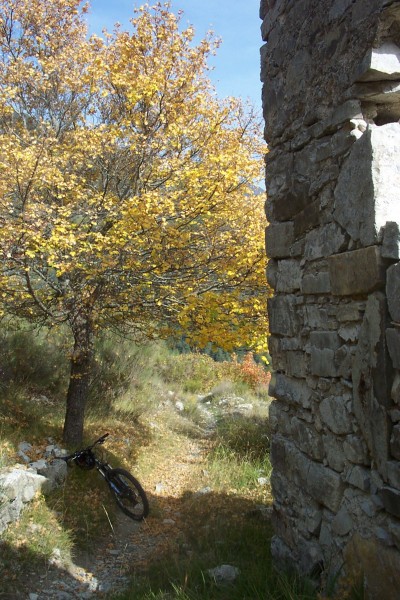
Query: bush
{"points": [[34, 358], [193, 372], [251, 372]]}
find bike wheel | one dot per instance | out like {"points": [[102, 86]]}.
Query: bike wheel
{"points": [[129, 494]]}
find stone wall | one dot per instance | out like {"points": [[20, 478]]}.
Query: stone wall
{"points": [[331, 101]]}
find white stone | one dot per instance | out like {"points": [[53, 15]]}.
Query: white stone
{"points": [[366, 195], [224, 574], [384, 62]]}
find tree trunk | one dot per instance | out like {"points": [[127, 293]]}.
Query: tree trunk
{"points": [[81, 364]]}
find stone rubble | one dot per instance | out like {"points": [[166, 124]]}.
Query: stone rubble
{"points": [[331, 102], [20, 483]]}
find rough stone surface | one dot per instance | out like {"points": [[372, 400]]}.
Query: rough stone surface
{"points": [[331, 103], [393, 291], [393, 342], [283, 315], [335, 415], [366, 193], [357, 272], [19, 484], [371, 378], [279, 238]]}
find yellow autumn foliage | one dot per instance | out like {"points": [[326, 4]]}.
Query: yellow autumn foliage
{"points": [[127, 187]]}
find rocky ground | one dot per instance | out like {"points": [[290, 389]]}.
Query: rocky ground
{"points": [[129, 547]]}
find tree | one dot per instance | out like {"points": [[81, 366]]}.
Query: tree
{"points": [[126, 187]]}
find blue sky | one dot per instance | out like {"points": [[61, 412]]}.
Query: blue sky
{"points": [[237, 64]]}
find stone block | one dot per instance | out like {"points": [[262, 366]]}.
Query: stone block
{"points": [[279, 419], [356, 272], [278, 239], [323, 242], [324, 485], [355, 450], [323, 362], [321, 483], [335, 415], [279, 171], [334, 455], [294, 392], [382, 63], [296, 364], [359, 478], [288, 276], [371, 381], [393, 291], [366, 192], [349, 333], [269, 13], [278, 354], [323, 347], [316, 316], [313, 518], [391, 241], [318, 283], [342, 524], [297, 249], [326, 536], [325, 339], [295, 200], [282, 491], [10, 512], [338, 8], [395, 415], [351, 109], [272, 273], [282, 315], [307, 219], [288, 344], [393, 342], [344, 361], [55, 473], [349, 312], [20, 483], [307, 439]]}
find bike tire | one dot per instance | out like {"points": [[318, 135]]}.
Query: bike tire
{"points": [[128, 493]]}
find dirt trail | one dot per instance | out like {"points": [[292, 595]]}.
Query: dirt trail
{"points": [[130, 546]]}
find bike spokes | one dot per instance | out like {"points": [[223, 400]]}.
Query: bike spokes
{"points": [[129, 494]]}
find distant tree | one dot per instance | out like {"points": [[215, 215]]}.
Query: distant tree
{"points": [[126, 186]]}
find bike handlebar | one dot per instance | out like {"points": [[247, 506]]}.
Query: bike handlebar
{"points": [[101, 440]]}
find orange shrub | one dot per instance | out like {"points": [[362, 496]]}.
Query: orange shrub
{"points": [[252, 373]]}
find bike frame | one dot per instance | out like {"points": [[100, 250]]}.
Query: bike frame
{"points": [[114, 478]]}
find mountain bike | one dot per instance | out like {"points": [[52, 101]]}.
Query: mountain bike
{"points": [[127, 491]]}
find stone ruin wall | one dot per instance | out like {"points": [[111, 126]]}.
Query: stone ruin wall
{"points": [[331, 102]]}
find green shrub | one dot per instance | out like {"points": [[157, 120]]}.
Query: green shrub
{"points": [[192, 372], [35, 358]]}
